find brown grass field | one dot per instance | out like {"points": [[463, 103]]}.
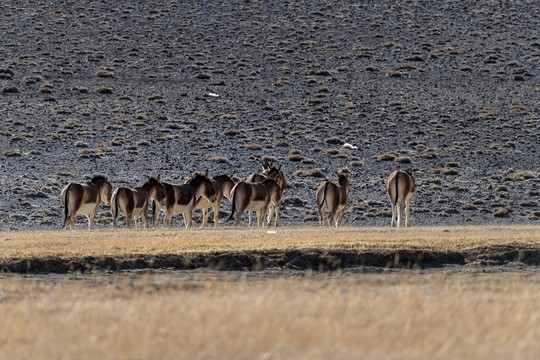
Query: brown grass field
{"points": [[67, 244], [274, 313], [257, 249]]}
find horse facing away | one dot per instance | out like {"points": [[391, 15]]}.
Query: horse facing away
{"points": [[222, 185], [182, 198], [400, 189], [254, 197], [134, 202], [85, 199], [332, 198], [270, 172]]}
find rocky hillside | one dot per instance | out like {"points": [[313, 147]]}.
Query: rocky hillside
{"points": [[128, 89]]}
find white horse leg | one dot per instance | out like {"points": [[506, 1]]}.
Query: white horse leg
{"points": [[407, 212], [204, 217], [399, 210], [188, 219], [270, 214], [339, 217], [167, 220], [216, 214]]}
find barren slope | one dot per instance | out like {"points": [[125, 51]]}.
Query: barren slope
{"points": [[127, 89]]}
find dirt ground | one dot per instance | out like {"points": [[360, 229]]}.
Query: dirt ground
{"points": [[512, 258], [134, 89]]}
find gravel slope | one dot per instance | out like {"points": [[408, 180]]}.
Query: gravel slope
{"points": [[449, 89]]}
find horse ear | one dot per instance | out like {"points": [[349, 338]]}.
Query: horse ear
{"points": [[264, 165], [158, 177], [279, 168], [271, 163], [206, 173]]}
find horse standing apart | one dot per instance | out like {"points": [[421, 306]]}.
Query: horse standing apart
{"points": [[332, 198], [182, 198], [254, 197], [85, 199], [222, 185], [134, 202], [400, 189], [270, 172]]}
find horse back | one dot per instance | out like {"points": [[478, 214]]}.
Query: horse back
{"points": [[176, 194]]}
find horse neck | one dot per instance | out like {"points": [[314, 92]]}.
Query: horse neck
{"points": [[345, 186], [226, 184], [147, 189], [197, 188], [101, 189], [283, 184]]}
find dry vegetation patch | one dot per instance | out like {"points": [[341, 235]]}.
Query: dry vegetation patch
{"points": [[304, 317], [233, 248]]}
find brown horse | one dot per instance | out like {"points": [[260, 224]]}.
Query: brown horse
{"points": [[222, 185], [332, 198], [134, 202], [182, 198], [400, 189], [270, 172], [85, 199], [254, 197]]}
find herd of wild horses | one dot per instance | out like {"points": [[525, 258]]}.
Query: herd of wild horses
{"points": [[260, 192]]}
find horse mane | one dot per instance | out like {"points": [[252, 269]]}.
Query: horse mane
{"points": [[196, 178], [97, 178], [150, 181], [342, 178], [224, 176]]}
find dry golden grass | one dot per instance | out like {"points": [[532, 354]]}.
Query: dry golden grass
{"points": [[206, 314], [317, 317], [82, 243]]}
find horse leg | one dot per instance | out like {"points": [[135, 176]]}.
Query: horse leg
{"points": [[204, 217], [276, 211], [249, 218], [399, 210], [239, 214], [216, 214], [261, 218], [188, 219], [393, 215], [91, 221], [128, 220], [167, 220], [269, 215], [407, 212], [70, 223], [332, 218], [339, 216], [145, 220], [155, 216]]}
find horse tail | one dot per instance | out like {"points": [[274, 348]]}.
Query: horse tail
{"points": [[66, 207], [114, 206], [397, 189], [154, 213], [324, 195], [233, 205]]}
